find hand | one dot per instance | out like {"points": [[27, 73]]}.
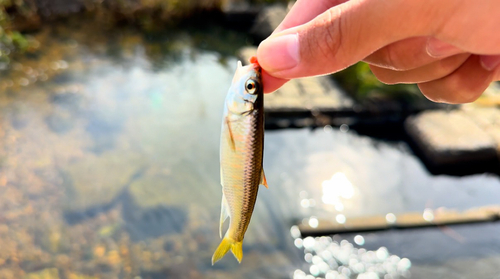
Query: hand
{"points": [[450, 48]]}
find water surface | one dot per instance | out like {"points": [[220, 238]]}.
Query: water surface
{"points": [[109, 167]]}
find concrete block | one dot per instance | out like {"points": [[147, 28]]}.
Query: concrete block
{"points": [[450, 137]]}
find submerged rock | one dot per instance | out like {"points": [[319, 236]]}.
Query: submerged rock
{"points": [[156, 203], [94, 182]]}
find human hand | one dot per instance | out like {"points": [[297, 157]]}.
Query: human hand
{"points": [[450, 48]]}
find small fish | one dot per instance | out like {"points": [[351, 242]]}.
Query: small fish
{"points": [[241, 153]]}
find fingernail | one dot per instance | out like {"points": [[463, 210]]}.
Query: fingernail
{"points": [[490, 62], [437, 48], [279, 53]]}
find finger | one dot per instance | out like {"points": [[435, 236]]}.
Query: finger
{"points": [[271, 83], [464, 85], [342, 36], [304, 11], [432, 71], [405, 55], [471, 27], [490, 62]]}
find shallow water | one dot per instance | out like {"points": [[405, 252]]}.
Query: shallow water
{"points": [[109, 167]]}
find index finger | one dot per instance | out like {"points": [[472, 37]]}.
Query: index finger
{"points": [[344, 35]]}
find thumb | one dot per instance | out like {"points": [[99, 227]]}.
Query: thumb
{"points": [[342, 36]]}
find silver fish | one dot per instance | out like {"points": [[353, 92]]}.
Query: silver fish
{"points": [[241, 154]]}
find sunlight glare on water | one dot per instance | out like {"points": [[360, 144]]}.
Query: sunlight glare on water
{"points": [[109, 168], [336, 189]]}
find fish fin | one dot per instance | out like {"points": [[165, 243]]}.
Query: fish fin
{"points": [[263, 180], [237, 250], [221, 178], [224, 213], [238, 72], [231, 138], [226, 244]]}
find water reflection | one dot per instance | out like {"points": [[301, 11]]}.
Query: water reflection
{"points": [[428, 215], [328, 257], [109, 169], [109, 160], [336, 189], [390, 218]]}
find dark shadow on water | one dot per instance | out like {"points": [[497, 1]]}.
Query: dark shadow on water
{"points": [[395, 132], [104, 129], [142, 223], [73, 217]]}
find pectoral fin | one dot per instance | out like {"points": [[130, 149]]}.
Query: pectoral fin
{"points": [[230, 134], [224, 213], [263, 180]]}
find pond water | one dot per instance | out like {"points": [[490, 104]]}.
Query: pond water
{"points": [[109, 149]]}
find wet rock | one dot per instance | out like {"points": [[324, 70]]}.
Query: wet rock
{"points": [[450, 138], [94, 182], [267, 20]]}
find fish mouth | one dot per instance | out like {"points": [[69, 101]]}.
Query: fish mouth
{"points": [[257, 68]]}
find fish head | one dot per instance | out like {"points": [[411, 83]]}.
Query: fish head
{"points": [[245, 89]]}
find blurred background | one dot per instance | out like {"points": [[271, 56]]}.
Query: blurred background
{"points": [[110, 115]]}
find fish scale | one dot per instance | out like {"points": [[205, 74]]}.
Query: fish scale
{"points": [[242, 146]]}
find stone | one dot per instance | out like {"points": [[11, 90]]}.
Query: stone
{"points": [[94, 182], [449, 137]]}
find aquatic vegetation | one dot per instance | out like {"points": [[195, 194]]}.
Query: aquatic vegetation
{"points": [[20, 16], [361, 83], [10, 39]]}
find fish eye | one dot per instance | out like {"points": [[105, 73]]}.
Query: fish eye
{"points": [[251, 86]]}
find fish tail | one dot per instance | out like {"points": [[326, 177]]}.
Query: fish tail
{"points": [[226, 244]]}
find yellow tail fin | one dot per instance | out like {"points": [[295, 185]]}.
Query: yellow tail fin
{"points": [[226, 244]]}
